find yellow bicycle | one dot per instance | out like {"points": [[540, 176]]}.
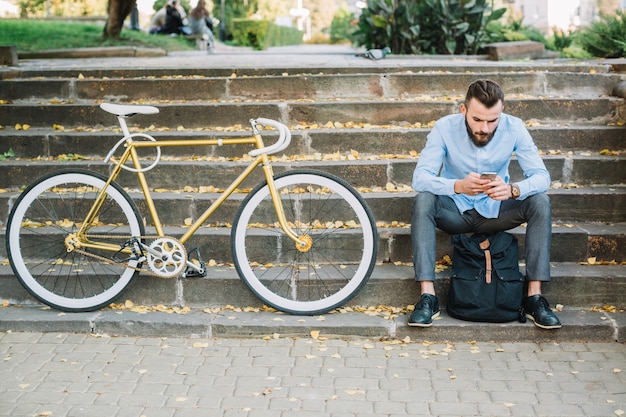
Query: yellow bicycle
{"points": [[303, 241]]}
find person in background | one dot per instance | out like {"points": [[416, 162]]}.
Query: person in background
{"points": [[174, 24], [453, 196], [200, 23], [158, 20], [134, 19]]}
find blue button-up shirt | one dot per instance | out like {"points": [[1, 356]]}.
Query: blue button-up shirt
{"points": [[450, 155]]}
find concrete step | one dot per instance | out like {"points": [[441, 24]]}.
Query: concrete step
{"points": [[578, 170], [597, 204], [589, 297], [578, 324], [571, 242], [201, 114], [572, 285], [131, 86], [568, 108], [391, 140], [418, 65]]}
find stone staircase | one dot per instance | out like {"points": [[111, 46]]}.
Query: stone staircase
{"points": [[367, 125]]}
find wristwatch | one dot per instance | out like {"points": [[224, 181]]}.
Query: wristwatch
{"points": [[514, 190]]}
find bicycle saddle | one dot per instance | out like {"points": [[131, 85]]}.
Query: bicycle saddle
{"points": [[125, 110]]}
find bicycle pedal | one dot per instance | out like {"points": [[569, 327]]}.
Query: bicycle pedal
{"points": [[193, 273], [199, 271]]}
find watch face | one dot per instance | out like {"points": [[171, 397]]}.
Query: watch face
{"points": [[515, 191]]}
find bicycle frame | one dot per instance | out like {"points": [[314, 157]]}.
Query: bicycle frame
{"points": [[80, 238], [75, 239]]}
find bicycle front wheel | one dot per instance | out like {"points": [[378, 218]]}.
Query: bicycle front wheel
{"points": [[45, 214], [323, 210]]}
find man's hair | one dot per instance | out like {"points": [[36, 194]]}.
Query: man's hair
{"points": [[485, 91]]}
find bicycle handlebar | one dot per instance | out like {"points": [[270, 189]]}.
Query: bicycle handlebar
{"points": [[123, 111], [283, 141]]}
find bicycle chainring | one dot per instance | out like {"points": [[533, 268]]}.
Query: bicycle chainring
{"points": [[167, 257]]}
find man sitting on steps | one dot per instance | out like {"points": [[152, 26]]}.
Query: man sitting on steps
{"points": [[453, 197]]}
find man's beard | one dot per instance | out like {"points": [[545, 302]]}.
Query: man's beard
{"points": [[481, 140]]}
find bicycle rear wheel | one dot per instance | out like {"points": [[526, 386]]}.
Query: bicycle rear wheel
{"points": [[342, 232], [45, 214]]}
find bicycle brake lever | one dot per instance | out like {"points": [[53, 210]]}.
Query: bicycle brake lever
{"points": [[282, 142]]}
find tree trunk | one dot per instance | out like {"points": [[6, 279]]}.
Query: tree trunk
{"points": [[118, 11]]}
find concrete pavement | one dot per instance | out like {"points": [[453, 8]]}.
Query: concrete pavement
{"points": [[224, 56], [61, 374], [313, 57]]}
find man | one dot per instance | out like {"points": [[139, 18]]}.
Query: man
{"points": [[453, 196]]}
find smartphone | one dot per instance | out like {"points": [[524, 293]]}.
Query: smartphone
{"points": [[489, 175]]}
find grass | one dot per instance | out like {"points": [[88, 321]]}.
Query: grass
{"points": [[30, 35]]}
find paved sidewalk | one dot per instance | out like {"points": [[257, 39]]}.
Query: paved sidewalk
{"points": [[61, 374], [314, 58]]}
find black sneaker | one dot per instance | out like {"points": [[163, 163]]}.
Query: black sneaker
{"points": [[426, 309], [539, 311]]}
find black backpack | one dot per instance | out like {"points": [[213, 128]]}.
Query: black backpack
{"points": [[486, 284]]}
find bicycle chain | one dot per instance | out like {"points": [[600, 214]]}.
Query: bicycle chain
{"points": [[111, 261]]}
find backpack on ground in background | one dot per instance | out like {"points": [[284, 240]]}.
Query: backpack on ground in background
{"points": [[486, 284]]}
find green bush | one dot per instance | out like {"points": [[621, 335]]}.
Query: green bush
{"points": [[513, 31], [392, 23], [426, 26], [341, 26], [235, 9], [461, 25], [261, 34], [560, 40], [575, 51], [606, 38]]}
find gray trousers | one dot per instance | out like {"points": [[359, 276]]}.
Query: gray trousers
{"points": [[432, 211]]}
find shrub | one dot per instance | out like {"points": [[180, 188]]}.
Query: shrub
{"points": [[341, 25], [514, 31], [606, 38], [461, 25], [428, 26], [392, 23], [576, 52], [261, 34], [560, 40]]}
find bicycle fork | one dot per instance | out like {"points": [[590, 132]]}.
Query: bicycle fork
{"points": [[303, 242]]}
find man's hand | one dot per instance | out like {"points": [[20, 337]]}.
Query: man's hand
{"points": [[473, 184]]}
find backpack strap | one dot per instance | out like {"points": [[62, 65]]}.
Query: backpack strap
{"points": [[484, 245]]}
